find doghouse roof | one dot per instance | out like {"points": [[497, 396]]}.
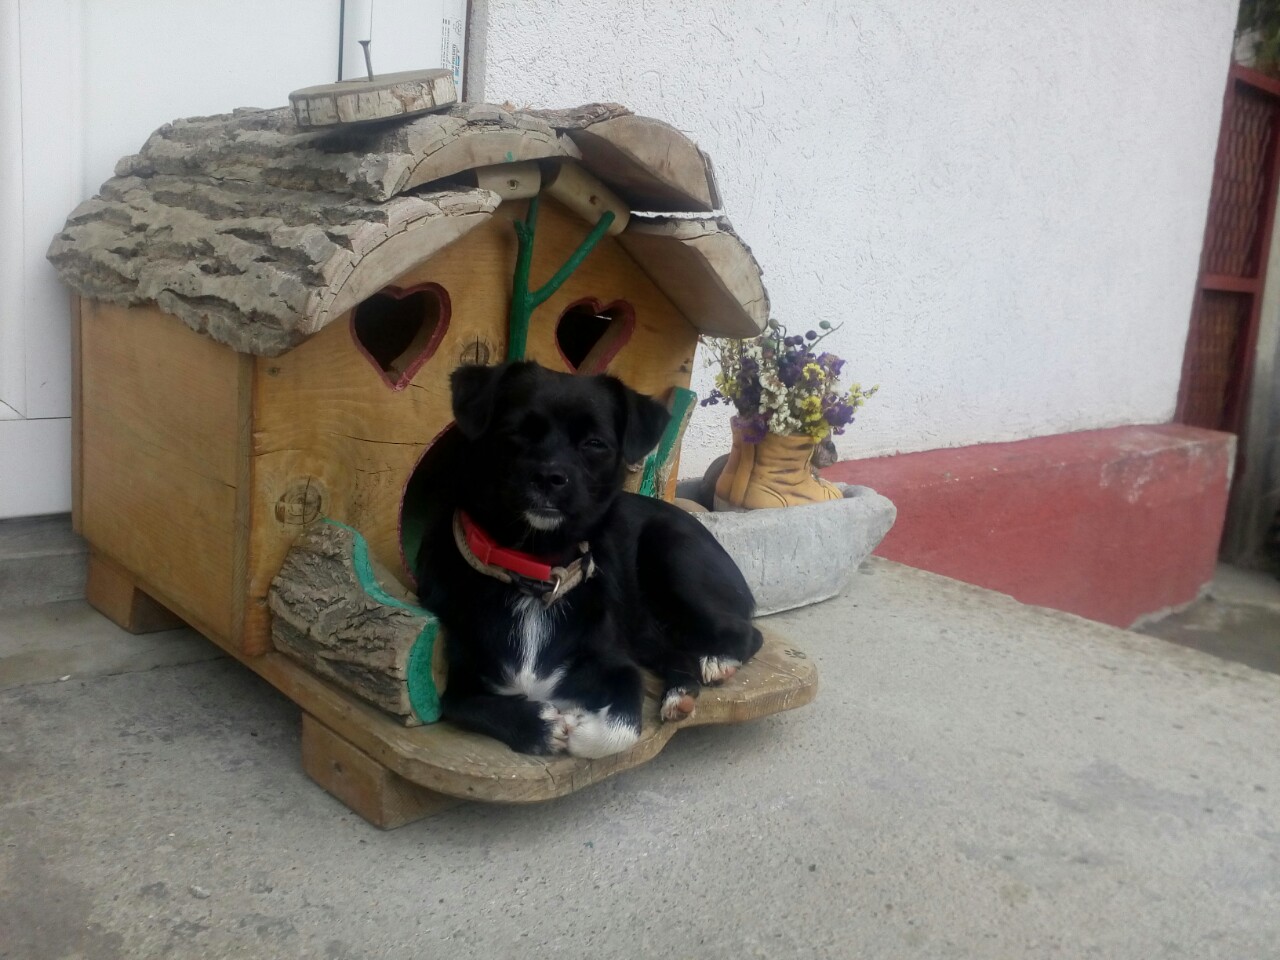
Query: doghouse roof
{"points": [[258, 233]]}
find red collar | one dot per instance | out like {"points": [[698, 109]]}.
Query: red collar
{"points": [[488, 552]]}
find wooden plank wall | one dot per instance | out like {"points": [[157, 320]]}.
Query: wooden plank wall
{"points": [[160, 458]]}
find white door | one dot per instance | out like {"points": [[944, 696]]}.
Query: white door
{"points": [[83, 83], [38, 173]]}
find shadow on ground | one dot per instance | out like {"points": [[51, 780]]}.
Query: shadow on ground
{"points": [[1238, 619]]}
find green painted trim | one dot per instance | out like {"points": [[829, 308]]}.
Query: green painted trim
{"points": [[681, 405], [423, 696], [524, 301]]}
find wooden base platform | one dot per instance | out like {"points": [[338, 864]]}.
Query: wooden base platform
{"points": [[391, 774]]}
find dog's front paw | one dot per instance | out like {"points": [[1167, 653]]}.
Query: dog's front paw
{"points": [[594, 733], [718, 669], [556, 727], [678, 704]]}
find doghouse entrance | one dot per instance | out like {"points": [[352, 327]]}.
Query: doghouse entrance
{"points": [[421, 498]]}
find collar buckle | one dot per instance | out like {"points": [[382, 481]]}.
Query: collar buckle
{"points": [[557, 582]]}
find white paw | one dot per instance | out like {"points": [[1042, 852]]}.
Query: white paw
{"points": [[677, 705], [715, 669], [594, 734], [559, 727]]}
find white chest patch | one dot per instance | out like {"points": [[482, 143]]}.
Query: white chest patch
{"points": [[530, 632]]}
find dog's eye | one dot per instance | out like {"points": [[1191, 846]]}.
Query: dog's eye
{"points": [[594, 444]]}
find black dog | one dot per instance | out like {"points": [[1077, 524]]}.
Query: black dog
{"points": [[553, 586]]}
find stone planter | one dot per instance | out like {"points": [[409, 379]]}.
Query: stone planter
{"points": [[795, 556]]}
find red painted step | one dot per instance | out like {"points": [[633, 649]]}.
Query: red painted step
{"points": [[1112, 524]]}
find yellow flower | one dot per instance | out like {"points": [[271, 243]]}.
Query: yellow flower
{"points": [[808, 409], [809, 413]]}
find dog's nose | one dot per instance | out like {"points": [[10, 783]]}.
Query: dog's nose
{"points": [[553, 478]]}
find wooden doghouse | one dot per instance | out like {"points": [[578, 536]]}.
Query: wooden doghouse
{"points": [[266, 318]]}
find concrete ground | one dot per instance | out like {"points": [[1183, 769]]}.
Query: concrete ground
{"points": [[976, 779]]}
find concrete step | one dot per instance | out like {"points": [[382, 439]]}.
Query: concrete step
{"points": [[41, 561], [1030, 517]]}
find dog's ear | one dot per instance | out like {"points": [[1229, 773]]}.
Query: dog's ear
{"points": [[475, 389], [641, 421]]}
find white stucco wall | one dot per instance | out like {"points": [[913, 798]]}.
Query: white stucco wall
{"points": [[1003, 201]]}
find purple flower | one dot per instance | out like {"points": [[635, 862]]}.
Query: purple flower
{"points": [[789, 372], [837, 411], [753, 428]]}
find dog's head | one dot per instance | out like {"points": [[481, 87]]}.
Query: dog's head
{"points": [[548, 451]]}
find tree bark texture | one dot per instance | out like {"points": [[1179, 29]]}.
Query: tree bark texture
{"points": [[248, 227]]}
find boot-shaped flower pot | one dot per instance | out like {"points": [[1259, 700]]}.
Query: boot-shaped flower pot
{"points": [[776, 472]]}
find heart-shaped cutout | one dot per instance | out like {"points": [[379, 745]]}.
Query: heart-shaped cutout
{"points": [[589, 335], [398, 330]]}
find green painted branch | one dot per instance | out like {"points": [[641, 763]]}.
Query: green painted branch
{"points": [[575, 259], [524, 302], [521, 309]]}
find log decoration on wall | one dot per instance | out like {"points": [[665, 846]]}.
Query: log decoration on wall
{"points": [[332, 613]]}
